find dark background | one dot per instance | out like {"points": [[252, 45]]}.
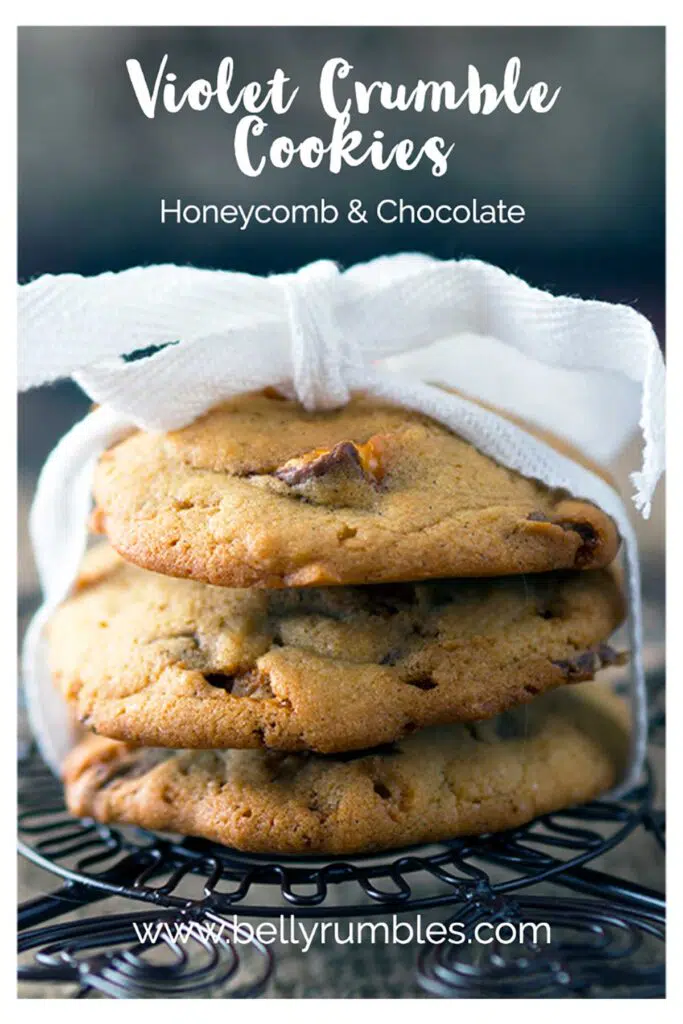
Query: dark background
{"points": [[590, 173]]}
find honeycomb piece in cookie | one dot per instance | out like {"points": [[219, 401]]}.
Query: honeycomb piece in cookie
{"points": [[260, 492]]}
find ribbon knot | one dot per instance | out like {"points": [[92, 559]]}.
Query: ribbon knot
{"points": [[322, 353]]}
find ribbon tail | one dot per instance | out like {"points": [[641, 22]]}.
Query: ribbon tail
{"points": [[638, 684], [58, 524], [59, 513], [52, 726]]}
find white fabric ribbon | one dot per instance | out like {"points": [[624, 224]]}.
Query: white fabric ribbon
{"points": [[589, 371]]}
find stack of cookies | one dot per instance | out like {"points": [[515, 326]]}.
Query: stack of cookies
{"points": [[336, 632]]}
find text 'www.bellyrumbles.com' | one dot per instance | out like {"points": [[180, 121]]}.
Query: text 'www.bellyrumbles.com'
{"points": [[291, 931]]}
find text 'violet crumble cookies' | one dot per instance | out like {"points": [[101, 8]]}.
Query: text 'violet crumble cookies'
{"points": [[170, 662], [258, 492], [564, 748]]}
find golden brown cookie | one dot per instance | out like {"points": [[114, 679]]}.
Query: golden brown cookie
{"points": [[168, 662], [259, 492], [564, 748]]}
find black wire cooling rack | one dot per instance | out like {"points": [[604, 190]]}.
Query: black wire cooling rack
{"points": [[607, 933]]}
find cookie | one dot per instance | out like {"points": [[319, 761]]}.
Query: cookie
{"points": [[173, 663], [564, 748], [259, 492]]}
